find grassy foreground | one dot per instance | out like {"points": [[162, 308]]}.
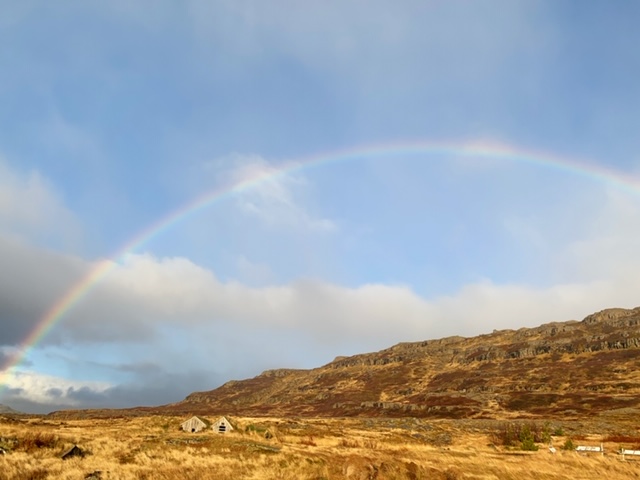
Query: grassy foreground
{"points": [[280, 448]]}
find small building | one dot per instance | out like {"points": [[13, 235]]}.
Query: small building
{"points": [[193, 425], [222, 425], [74, 451]]}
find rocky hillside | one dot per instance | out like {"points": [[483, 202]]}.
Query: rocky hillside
{"points": [[564, 368]]}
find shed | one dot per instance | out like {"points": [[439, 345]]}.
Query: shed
{"points": [[222, 425], [193, 425], [74, 451]]}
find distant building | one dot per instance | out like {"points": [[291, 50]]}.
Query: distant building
{"points": [[193, 425], [74, 451], [222, 425]]}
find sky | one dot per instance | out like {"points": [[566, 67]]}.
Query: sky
{"points": [[226, 187]]}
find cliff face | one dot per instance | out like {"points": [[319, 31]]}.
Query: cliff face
{"points": [[558, 368]]}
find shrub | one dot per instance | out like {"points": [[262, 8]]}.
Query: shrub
{"points": [[568, 445], [506, 435], [8, 443], [451, 474], [27, 474], [524, 435], [529, 445], [255, 428], [350, 443], [370, 444], [309, 441], [34, 441]]}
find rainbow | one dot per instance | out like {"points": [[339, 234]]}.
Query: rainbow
{"points": [[475, 149]]}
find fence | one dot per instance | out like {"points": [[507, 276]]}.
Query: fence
{"points": [[590, 449], [624, 452]]}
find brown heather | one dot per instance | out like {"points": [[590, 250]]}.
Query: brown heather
{"points": [[152, 447]]}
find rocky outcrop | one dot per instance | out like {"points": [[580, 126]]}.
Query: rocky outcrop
{"points": [[615, 317]]}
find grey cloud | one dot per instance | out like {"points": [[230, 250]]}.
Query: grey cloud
{"points": [[31, 280], [144, 369], [153, 390], [34, 280], [55, 392], [85, 396], [150, 391], [11, 392], [7, 357]]}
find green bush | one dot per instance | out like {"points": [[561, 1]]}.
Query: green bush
{"points": [[517, 434], [529, 445], [527, 440], [568, 445]]}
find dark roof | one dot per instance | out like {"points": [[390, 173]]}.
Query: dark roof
{"points": [[74, 451]]}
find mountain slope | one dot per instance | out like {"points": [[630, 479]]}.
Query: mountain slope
{"points": [[6, 410], [567, 368]]}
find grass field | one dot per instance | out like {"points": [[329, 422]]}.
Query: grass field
{"points": [[153, 447]]}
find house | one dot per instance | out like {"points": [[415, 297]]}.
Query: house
{"points": [[193, 425], [222, 425]]}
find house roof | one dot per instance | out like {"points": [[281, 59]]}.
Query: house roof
{"points": [[224, 420], [201, 420], [74, 451]]}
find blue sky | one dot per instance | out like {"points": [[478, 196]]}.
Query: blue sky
{"points": [[116, 113]]}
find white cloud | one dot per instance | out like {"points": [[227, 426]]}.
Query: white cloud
{"points": [[178, 292], [144, 297], [143, 293], [610, 242], [276, 198], [253, 273], [47, 389], [31, 208], [481, 307]]}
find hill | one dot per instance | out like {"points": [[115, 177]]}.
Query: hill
{"points": [[6, 410], [558, 369]]}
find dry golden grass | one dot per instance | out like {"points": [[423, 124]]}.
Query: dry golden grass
{"points": [[297, 449]]}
